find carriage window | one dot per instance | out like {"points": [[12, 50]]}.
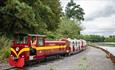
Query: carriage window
{"points": [[73, 43], [79, 43], [76, 43], [40, 42]]}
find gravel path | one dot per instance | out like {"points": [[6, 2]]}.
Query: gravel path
{"points": [[90, 59]]}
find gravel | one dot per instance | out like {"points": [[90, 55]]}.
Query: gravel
{"points": [[90, 59]]}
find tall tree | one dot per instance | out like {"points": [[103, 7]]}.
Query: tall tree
{"points": [[74, 11]]}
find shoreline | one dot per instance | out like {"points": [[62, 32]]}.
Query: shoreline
{"points": [[109, 55]]}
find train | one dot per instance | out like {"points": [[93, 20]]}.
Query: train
{"points": [[29, 47]]}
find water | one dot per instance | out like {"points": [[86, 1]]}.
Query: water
{"points": [[109, 46], [110, 49]]}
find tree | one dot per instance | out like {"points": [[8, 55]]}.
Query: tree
{"points": [[110, 39], [68, 28], [74, 11], [56, 10], [48, 11], [94, 38], [31, 16], [16, 16]]}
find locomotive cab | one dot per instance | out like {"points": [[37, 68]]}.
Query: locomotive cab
{"points": [[35, 40]]}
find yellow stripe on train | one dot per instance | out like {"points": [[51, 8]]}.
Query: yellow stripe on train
{"points": [[37, 48], [48, 47]]}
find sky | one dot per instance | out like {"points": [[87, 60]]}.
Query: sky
{"points": [[99, 16]]}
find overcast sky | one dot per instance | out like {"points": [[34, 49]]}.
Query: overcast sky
{"points": [[99, 16]]}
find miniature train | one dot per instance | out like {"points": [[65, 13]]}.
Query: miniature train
{"points": [[27, 47]]}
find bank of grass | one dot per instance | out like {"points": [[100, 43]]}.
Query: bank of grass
{"points": [[4, 48]]}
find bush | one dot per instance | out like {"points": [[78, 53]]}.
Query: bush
{"points": [[4, 42], [7, 53], [4, 47]]}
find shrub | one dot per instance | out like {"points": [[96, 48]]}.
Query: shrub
{"points": [[4, 47]]}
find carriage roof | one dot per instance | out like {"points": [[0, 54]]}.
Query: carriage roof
{"points": [[37, 35], [25, 34]]}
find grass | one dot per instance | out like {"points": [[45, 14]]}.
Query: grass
{"points": [[51, 68], [84, 58], [80, 64]]}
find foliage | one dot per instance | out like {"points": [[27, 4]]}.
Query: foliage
{"points": [[35, 16], [74, 11], [53, 35], [30, 16], [94, 38], [110, 39], [68, 28], [56, 9], [4, 47], [4, 41], [16, 16], [98, 38]]}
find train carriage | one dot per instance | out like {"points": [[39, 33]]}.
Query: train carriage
{"points": [[84, 44]]}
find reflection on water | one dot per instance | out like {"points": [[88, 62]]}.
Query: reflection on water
{"points": [[110, 44]]}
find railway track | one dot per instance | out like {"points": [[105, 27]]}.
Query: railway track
{"points": [[42, 62], [10, 68]]}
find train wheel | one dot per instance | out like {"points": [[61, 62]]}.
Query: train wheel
{"points": [[68, 54], [28, 63], [57, 56]]}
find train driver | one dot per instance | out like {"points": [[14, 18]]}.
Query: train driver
{"points": [[34, 41]]}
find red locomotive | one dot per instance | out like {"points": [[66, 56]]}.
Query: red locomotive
{"points": [[27, 47]]}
